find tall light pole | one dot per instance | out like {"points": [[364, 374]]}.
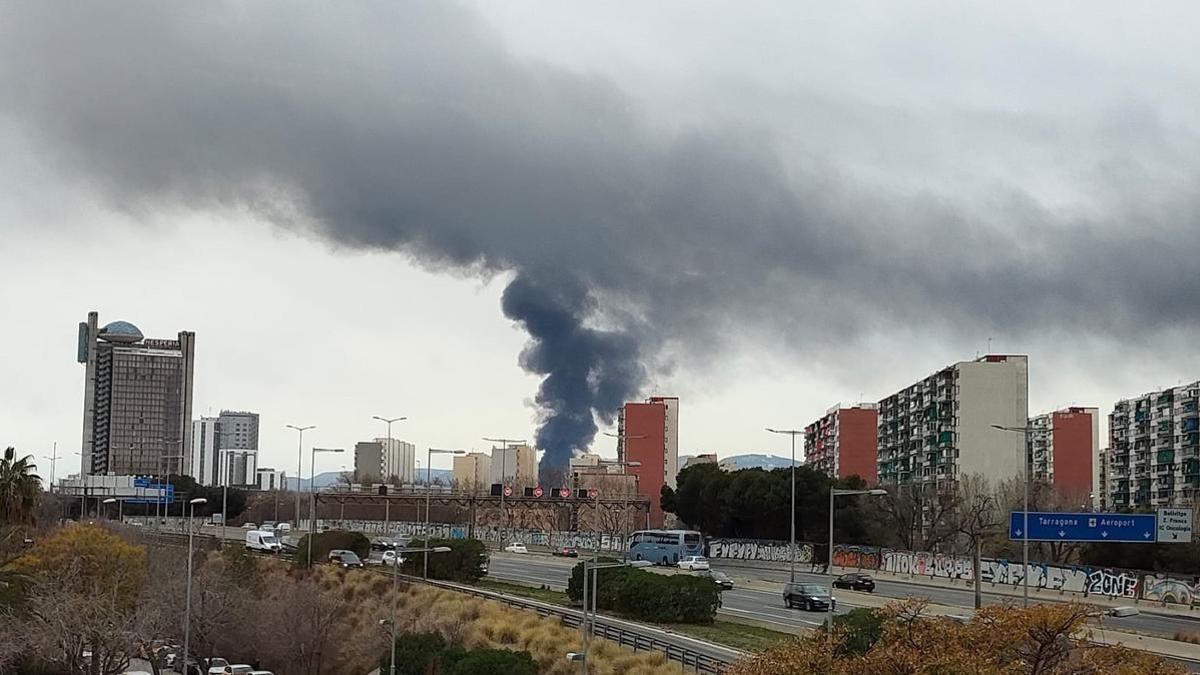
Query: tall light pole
{"points": [[428, 489], [162, 498], [53, 459], [299, 465], [595, 568], [388, 421], [312, 478], [1024, 431], [623, 444], [504, 443], [110, 500], [187, 612], [834, 492], [224, 495], [396, 591], [792, 542]]}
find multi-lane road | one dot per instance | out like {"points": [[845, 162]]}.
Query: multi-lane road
{"points": [[767, 606]]}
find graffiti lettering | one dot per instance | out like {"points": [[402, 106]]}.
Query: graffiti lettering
{"points": [[746, 549], [1103, 582]]}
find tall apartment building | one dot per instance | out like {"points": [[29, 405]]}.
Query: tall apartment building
{"points": [[204, 460], [239, 447], [472, 472], [648, 433], [378, 462], [515, 465], [1064, 451], [1154, 449], [843, 443], [137, 403], [940, 428], [266, 478]]}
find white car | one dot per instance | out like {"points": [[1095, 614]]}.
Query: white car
{"points": [[390, 558], [516, 547], [693, 563]]}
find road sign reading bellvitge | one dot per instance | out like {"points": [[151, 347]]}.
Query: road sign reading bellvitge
{"points": [[1122, 527], [1174, 526]]}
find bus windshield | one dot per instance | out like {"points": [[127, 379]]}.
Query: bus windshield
{"points": [[665, 547]]}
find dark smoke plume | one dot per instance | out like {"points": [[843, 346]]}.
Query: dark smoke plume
{"points": [[588, 373], [410, 126]]}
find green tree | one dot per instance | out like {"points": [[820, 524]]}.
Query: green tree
{"points": [[416, 654], [324, 542], [462, 563], [20, 488], [860, 629]]}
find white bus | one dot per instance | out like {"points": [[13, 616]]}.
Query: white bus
{"points": [[664, 547]]}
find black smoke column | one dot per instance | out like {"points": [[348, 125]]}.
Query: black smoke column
{"points": [[588, 373]]}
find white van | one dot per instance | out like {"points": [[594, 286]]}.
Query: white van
{"points": [[260, 540]]}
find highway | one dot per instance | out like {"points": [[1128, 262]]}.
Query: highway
{"points": [[768, 605]]}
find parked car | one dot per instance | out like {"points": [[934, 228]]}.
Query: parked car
{"points": [[855, 581], [345, 559], [516, 547], [565, 552], [391, 557], [719, 578], [693, 563], [812, 597]]}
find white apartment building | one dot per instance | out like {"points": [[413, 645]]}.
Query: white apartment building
{"points": [[1154, 449], [377, 462], [472, 472], [269, 479], [204, 459], [515, 465], [940, 428]]}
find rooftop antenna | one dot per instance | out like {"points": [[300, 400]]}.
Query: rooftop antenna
{"points": [[989, 345]]}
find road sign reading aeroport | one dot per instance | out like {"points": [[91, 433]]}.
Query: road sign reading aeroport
{"points": [[1122, 527]]}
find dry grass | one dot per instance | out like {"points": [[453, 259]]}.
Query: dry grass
{"points": [[470, 622], [1193, 638]]}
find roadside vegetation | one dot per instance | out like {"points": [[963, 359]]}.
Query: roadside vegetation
{"points": [[1049, 639], [646, 596]]}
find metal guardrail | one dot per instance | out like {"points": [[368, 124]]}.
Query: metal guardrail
{"points": [[621, 633]]}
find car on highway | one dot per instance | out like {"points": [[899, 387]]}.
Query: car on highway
{"points": [[1126, 610], [719, 578], [812, 597], [516, 547], [565, 552], [382, 543], [249, 526], [693, 563], [344, 559], [855, 581], [391, 557]]}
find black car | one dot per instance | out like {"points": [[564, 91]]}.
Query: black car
{"points": [[719, 578], [807, 596], [566, 551], [345, 559], [855, 581]]}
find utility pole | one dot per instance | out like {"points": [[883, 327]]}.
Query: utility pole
{"points": [[792, 541], [299, 467], [504, 443]]}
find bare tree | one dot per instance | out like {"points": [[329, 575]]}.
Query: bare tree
{"points": [[915, 517], [301, 633], [977, 516]]}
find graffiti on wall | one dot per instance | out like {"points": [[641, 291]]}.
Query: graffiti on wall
{"points": [[1116, 584], [926, 564], [749, 549], [860, 557], [1167, 589]]}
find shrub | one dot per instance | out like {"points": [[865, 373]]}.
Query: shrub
{"points": [[416, 653], [328, 541], [860, 628], [679, 598], [463, 563], [493, 662]]}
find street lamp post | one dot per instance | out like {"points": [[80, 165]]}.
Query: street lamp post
{"points": [[834, 492], [299, 465], [428, 488], [164, 461], [1024, 431], [187, 612], [53, 460], [584, 624], [792, 542], [387, 505], [623, 445], [312, 478], [396, 592], [388, 422], [504, 443]]}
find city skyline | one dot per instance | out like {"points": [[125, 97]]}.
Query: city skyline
{"points": [[859, 214]]}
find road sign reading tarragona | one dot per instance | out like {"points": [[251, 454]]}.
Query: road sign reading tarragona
{"points": [[1121, 527]]}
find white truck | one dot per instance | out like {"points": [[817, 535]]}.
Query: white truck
{"points": [[261, 540]]}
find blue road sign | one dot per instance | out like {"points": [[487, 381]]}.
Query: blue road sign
{"points": [[1123, 527]]}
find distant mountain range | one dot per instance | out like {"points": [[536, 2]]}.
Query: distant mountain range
{"points": [[330, 477], [751, 461]]}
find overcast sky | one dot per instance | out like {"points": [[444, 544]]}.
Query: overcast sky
{"points": [[769, 208]]}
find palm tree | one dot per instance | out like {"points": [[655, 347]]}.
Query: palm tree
{"points": [[20, 488]]}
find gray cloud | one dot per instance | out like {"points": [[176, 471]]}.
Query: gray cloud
{"points": [[409, 126]]}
